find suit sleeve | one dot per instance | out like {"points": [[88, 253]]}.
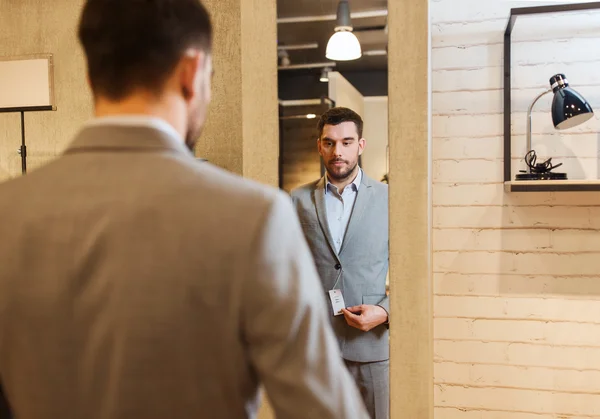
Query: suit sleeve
{"points": [[385, 304], [290, 340]]}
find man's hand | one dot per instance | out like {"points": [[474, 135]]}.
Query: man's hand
{"points": [[365, 317]]}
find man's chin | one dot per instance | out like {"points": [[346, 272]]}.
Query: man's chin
{"points": [[338, 173]]}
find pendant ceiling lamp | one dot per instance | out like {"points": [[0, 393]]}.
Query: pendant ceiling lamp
{"points": [[343, 44]]}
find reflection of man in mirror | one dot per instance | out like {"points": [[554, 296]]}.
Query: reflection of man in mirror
{"points": [[344, 216]]}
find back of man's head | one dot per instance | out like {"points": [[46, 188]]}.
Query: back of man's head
{"points": [[136, 44]]}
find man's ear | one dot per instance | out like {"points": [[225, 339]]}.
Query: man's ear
{"points": [[361, 145], [190, 70], [319, 146]]}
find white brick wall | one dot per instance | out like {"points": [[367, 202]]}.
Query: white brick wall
{"points": [[516, 276]]}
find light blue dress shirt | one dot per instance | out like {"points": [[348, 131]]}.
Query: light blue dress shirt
{"points": [[339, 208]]}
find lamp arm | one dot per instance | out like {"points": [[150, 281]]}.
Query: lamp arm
{"points": [[529, 118]]}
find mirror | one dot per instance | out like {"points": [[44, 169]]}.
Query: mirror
{"points": [[343, 211]]}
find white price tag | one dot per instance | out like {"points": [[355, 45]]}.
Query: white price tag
{"points": [[337, 301]]}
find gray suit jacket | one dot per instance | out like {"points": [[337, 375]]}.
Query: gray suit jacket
{"points": [[136, 282], [363, 260]]}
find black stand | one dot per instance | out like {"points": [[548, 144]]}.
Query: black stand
{"points": [[23, 149]]}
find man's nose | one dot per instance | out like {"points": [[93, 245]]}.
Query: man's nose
{"points": [[337, 149]]}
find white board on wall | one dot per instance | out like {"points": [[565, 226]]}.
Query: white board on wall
{"points": [[26, 83]]}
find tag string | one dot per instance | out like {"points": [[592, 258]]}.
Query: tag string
{"points": [[337, 279]]}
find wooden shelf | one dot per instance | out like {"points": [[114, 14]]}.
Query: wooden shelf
{"points": [[552, 185]]}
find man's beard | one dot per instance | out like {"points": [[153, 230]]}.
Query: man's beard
{"points": [[191, 139], [341, 176], [196, 119], [194, 130]]}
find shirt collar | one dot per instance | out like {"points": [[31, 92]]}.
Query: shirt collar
{"points": [[355, 183], [136, 121]]}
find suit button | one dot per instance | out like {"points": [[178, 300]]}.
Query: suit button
{"points": [[338, 267]]}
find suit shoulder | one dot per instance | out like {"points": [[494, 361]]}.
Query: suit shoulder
{"points": [[225, 198], [235, 187], [381, 187], [382, 190], [303, 190]]}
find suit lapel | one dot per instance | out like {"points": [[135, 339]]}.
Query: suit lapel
{"points": [[322, 213], [360, 205]]}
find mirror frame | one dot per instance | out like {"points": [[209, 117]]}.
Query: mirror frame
{"points": [[411, 293]]}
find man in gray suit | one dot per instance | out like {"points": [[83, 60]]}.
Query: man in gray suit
{"points": [[136, 282], [344, 216]]}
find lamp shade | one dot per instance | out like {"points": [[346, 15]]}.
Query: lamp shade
{"points": [[569, 108], [343, 46]]}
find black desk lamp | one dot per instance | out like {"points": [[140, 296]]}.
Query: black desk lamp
{"points": [[569, 109]]}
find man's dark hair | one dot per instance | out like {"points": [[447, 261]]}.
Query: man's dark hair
{"points": [[336, 116], [133, 44]]}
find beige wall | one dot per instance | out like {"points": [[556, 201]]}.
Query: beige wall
{"points": [[375, 157], [242, 133], [517, 286], [344, 93], [32, 27]]}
